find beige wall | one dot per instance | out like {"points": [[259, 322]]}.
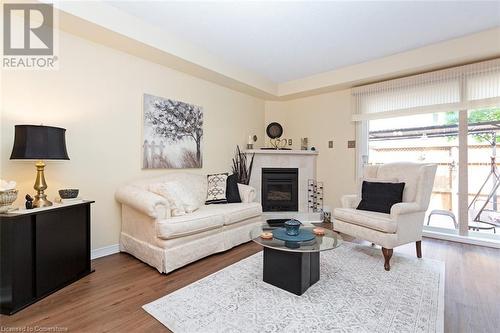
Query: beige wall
{"points": [[322, 118], [97, 96]]}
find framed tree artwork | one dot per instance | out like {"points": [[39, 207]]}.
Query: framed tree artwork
{"points": [[172, 134]]}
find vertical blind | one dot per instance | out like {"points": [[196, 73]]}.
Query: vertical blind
{"points": [[459, 88]]}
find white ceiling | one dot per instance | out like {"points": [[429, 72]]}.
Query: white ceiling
{"points": [[284, 41]]}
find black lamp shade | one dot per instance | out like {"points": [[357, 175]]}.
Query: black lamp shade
{"points": [[32, 142]]}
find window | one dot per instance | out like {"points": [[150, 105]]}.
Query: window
{"points": [[451, 118], [484, 177], [423, 138], [433, 138]]}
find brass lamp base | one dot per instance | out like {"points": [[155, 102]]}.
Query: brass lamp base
{"points": [[40, 186]]}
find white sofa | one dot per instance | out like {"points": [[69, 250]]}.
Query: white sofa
{"points": [[404, 223], [151, 234]]}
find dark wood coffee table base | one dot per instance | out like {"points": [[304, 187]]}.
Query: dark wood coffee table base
{"points": [[292, 271]]}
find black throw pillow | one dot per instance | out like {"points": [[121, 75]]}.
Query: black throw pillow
{"points": [[379, 197], [232, 192]]}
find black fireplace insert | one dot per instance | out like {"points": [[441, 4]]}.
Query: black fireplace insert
{"points": [[280, 190]]}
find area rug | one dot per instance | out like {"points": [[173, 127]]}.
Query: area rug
{"points": [[354, 294]]}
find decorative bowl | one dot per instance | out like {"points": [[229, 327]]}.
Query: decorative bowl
{"points": [[292, 227], [69, 193], [7, 198]]}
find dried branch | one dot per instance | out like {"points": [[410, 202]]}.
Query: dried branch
{"points": [[240, 166]]}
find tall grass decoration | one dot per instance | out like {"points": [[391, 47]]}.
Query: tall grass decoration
{"points": [[240, 166]]}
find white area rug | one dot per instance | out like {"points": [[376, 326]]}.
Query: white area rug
{"points": [[354, 294]]}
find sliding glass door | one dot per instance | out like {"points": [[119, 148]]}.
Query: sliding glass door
{"points": [[424, 138], [434, 138], [484, 177]]}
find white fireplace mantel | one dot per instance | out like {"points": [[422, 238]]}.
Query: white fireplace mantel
{"points": [[281, 152], [303, 160]]}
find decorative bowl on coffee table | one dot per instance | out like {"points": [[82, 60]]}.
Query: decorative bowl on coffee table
{"points": [[292, 227]]}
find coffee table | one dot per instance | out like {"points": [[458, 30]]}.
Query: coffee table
{"points": [[293, 266]]}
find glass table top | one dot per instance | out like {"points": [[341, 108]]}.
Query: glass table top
{"points": [[328, 241]]}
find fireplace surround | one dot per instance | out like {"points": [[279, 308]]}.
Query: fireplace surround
{"points": [[303, 160], [280, 189]]}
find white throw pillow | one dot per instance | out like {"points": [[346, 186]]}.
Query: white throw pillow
{"points": [[180, 199]]}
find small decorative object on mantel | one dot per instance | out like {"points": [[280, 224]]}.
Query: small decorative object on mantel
{"points": [[251, 140], [279, 143], [274, 131], [29, 201], [304, 143], [315, 194], [240, 166]]}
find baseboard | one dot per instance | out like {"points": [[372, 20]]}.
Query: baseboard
{"points": [[104, 251]]}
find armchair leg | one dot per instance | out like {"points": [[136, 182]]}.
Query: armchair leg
{"points": [[418, 246], [387, 256]]}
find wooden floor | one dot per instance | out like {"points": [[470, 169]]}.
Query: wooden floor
{"points": [[110, 299]]}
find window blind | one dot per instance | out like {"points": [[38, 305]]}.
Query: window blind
{"points": [[459, 88]]}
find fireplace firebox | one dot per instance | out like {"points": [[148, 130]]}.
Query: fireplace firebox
{"points": [[280, 191]]}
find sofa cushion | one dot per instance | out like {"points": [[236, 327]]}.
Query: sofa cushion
{"points": [[236, 212], [198, 221], [373, 220]]}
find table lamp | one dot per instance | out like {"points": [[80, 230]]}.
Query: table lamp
{"points": [[32, 142]]}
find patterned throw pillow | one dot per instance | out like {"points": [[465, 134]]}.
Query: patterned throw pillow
{"points": [[216, 188]]}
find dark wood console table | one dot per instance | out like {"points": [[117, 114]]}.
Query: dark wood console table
{"points": [[41, 251]]}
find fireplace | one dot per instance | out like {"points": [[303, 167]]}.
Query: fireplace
{"points": [[280, 191]]}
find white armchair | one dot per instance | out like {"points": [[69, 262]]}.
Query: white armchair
{"points": [[404, 223]]}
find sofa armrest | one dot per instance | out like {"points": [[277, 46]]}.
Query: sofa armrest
{"points": [[404, 208], [349, 200], [146, 202], [247, 193]]}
